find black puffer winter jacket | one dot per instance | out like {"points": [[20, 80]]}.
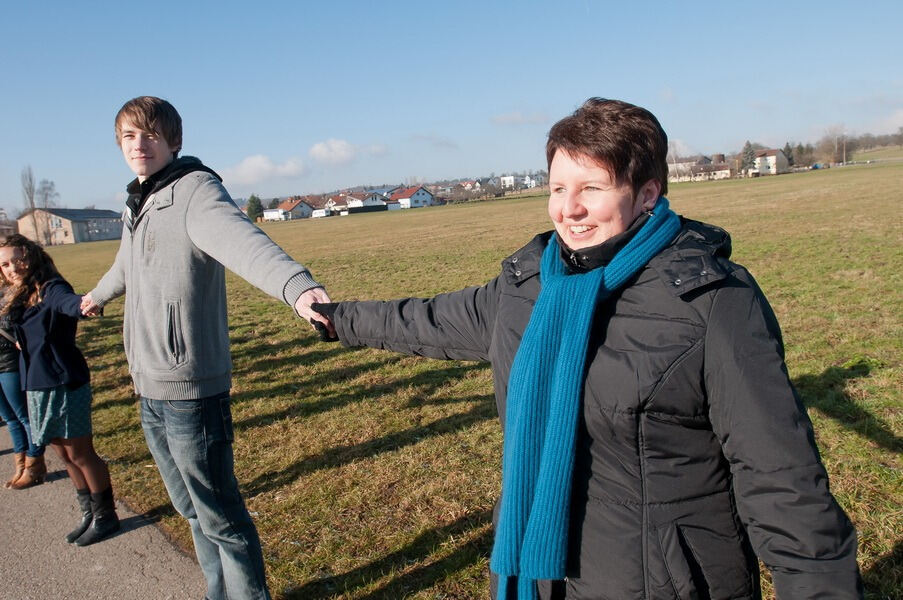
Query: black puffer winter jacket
{"points": [[694, 454], [9, 354]]}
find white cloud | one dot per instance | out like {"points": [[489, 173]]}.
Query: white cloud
{"points": [[518, 118], [333, 152], [259, 167]]}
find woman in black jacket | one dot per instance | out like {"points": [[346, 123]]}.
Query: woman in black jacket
{"points": [[654, 445]]}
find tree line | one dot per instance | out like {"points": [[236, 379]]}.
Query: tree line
{"points": [[834, 147]]}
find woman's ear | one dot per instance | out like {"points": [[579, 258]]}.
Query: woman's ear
{"points": [[649, 193]]}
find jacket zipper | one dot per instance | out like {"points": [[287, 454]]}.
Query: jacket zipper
{"points": [[641, 444]]}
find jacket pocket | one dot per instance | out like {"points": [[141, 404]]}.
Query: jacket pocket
{"points": [[175, 341], [677, 559], [704, 563]]}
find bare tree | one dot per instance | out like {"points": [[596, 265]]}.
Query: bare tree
{"points": [[28, 192], [46, 194], [45, 197]]}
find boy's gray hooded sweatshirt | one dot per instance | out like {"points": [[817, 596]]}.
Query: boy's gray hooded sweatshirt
{"points": [[170, 265]]}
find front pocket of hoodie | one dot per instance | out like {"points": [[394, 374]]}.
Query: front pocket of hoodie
{"points": [[175, 341]]}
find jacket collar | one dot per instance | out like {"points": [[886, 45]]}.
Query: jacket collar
{"points": [[697, 257]]}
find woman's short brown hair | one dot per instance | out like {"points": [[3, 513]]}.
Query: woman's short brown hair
{"points": [[626, 139], [152, 114]]}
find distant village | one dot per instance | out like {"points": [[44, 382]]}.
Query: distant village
{"points": [[52, 226], [364, 199]]}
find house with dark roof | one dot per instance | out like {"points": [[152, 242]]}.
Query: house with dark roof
{"points": [[54, 226], [771, 162]]}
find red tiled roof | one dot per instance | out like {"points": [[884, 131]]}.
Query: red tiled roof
{"points": [[405, 192], [290, 204]]}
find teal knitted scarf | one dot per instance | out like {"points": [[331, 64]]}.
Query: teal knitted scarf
{"points": [[544, 395]]}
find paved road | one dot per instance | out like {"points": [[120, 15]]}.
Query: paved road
{"points": [[36, 563]]}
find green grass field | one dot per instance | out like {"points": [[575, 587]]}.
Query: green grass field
{"points": [[885, 153], [373, 476]]}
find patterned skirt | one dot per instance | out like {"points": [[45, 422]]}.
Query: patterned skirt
{"points": [[59, 413]]}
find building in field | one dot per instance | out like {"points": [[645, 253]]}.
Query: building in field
{"points": [[55, 226], [412, 197], [710, 172], [771, 162]]}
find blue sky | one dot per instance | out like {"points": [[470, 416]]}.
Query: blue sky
{"points": [[305, 97]]}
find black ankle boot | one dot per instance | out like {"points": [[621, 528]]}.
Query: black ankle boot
{"points": [[84, 503], [105, 521]]}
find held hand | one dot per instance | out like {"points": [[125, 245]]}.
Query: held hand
{"points": [[88, 307], [304, 310]]}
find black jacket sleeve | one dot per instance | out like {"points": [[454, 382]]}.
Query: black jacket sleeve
{"points": [[781, 487], [457, 325]]}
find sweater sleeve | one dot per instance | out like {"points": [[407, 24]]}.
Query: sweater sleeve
{"points": [[796, 526], [219, 229], [457, 325], [112, 284]]}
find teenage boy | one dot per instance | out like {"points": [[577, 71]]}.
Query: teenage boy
{"points": [[182, 229]]}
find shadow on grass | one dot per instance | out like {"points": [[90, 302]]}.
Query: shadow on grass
{"points": [[426, 383], [126, 400], [825, 392], [157, 513], [342, 455], [886, 573], [411, 582]]}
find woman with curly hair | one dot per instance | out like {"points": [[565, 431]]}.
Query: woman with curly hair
{"points": [[56, 379]]}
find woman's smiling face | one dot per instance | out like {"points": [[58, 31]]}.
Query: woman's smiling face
{"points": [[587, 206], [12, 264]]}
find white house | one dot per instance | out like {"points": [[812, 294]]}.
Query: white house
{"points": [[412, 197], [362, 199], [682, 169], [296, 208], [710, 172], [275, 214], [506, 181], [771, 162]]}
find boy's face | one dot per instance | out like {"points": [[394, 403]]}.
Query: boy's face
{"points": [[145, 152]]}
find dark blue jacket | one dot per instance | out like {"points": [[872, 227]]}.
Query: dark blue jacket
{"points": [[49, 356]]}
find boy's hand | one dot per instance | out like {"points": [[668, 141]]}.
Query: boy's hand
{"points": [[88, 307], [304, 310]]}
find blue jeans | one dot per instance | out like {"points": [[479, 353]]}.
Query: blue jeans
{"points": [[191, 442], [14, 410]]}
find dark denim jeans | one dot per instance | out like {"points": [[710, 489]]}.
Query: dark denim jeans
{"points": [[14, 410], [191, 441]]}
